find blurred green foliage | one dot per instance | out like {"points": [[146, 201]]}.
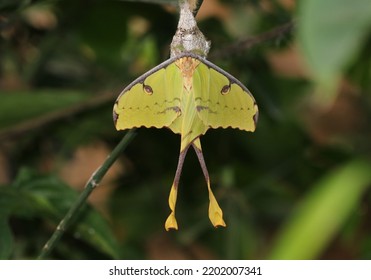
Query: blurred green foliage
{"points": [[297, 188]]}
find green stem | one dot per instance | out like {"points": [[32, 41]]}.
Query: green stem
{"points": [[93, 182]]}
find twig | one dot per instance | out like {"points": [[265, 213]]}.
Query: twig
{"points": [[90, 186], [197, 8], [49, 118], [250, 42]]}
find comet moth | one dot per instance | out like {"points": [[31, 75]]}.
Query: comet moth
{"points": [[188, 95]]}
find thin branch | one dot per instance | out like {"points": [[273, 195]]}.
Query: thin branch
{"points": [[39, 122], [90, 186], [251, 42], [198, 6]]}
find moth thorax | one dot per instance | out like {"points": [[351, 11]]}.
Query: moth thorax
{"points": [[187, 66]]}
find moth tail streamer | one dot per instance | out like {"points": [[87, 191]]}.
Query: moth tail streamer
{"points": [[171, 222], [215, 212]]}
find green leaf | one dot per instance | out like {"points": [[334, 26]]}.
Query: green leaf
{"points": [[94, 229], [331, 34], [322, 213], [49, 198], [17, 106], [6, 239]]}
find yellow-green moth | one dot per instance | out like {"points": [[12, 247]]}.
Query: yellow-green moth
{"points": [[188, 95]]}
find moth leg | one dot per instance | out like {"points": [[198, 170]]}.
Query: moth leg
{"points": [[171, 222], [215, 212]]}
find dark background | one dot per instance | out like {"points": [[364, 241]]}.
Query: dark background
{"points": [[297, 188]]}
